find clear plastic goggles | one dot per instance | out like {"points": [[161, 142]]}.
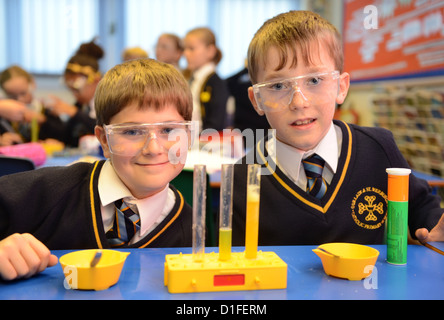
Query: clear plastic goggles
{"points": [[312, 88], [131, 139], [77, 84]]}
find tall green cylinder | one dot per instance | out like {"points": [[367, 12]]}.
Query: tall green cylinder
{"points": [[397, 232], [397, 214]]}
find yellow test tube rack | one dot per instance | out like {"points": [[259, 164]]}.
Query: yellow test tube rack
{"points": [[206, 272]]}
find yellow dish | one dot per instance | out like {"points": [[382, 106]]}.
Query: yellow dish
{"points": [[80, 275], [347, 260]]}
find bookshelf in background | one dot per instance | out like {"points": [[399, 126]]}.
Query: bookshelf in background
{"points": [[415, 116]]}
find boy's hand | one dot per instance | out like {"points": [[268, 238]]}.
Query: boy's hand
{"points": [[12, 109], [22, 256], [59, 107], [436, 234], [9, 138]]}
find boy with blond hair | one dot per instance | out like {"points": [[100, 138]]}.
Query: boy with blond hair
{"points": [[322, 180], [123, 202]]}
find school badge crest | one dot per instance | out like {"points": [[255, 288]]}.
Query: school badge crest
{"points": [[369, 208]]}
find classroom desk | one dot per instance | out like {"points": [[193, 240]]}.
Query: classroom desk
{"points": [[143, 275]]}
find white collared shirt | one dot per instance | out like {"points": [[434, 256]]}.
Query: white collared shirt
{"points": [[199, 77], [152, 210], [289, 159]]}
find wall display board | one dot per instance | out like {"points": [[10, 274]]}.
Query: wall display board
{"points": [[392, 39]]}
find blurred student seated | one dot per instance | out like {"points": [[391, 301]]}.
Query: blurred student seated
{"points": [[81, 76], [19, 86]]}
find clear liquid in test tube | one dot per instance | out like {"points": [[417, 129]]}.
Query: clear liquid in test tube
{"points": [[226, 212], [199, 206]]}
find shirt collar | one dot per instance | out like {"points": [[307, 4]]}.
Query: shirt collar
{"points": [[327, 149], [290, 158], [204, 71], [111, 188]]}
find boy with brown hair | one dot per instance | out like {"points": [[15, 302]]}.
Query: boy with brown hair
{"points": [[322, 180], [143, 110]]}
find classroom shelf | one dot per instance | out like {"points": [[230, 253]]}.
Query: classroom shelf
{"points": [[415, 116]]}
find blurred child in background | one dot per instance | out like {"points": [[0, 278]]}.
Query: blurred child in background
{"points": [[210, 92], [134, 53], [19, 85], [81, 76], [169, 49]]}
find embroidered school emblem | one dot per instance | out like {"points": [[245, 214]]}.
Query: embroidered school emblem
{"points": [[369, 208], [205, 96]]}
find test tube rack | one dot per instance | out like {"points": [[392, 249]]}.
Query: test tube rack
{"points": [[183, 273]]}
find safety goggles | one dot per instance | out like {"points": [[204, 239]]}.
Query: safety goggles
{"points": [[131, 139], [312, 88], [20, 94], [77, 84]]}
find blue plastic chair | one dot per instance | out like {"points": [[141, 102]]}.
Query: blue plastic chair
{"points": [[10, 165]]}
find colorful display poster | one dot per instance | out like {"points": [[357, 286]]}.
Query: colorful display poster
{"points": [[390, 39]]}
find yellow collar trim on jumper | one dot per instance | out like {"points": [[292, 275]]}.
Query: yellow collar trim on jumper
{"points": [[300, 197]]}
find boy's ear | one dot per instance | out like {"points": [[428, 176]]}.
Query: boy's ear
{"points": [[101, 136], [344, 84], [254, 102]]}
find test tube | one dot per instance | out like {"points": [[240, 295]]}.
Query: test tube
{"points": [[226, 212], [252, 221], [199, 205], [397, 215], [34, 130]]}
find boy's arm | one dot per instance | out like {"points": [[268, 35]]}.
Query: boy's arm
{"points": [[22, 256], [425, 212]]}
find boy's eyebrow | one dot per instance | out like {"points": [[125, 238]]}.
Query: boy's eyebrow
{"points": [[316, 69], [142, 123], [278, 75]]}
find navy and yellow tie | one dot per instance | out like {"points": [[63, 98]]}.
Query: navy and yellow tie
{"points": [[316, 185], [126, 224]]}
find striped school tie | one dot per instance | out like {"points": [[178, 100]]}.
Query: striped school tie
{"points": [[316, 185], [126, 224]]}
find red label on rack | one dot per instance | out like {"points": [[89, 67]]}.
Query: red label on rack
{"points": [[229, 280]]}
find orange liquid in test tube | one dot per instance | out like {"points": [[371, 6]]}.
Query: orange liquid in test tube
{"points": [[252, 221]]}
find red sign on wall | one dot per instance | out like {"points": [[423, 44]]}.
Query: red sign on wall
{"points": [[393, 38]]}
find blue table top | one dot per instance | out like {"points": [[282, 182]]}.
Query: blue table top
{"points": [[143, 275]]}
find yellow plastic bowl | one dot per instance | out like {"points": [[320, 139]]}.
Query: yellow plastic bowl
{"points": [[80, 275], [347, 260]]}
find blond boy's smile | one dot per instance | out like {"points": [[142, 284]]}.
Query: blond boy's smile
{"points": [[149, 171]]}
